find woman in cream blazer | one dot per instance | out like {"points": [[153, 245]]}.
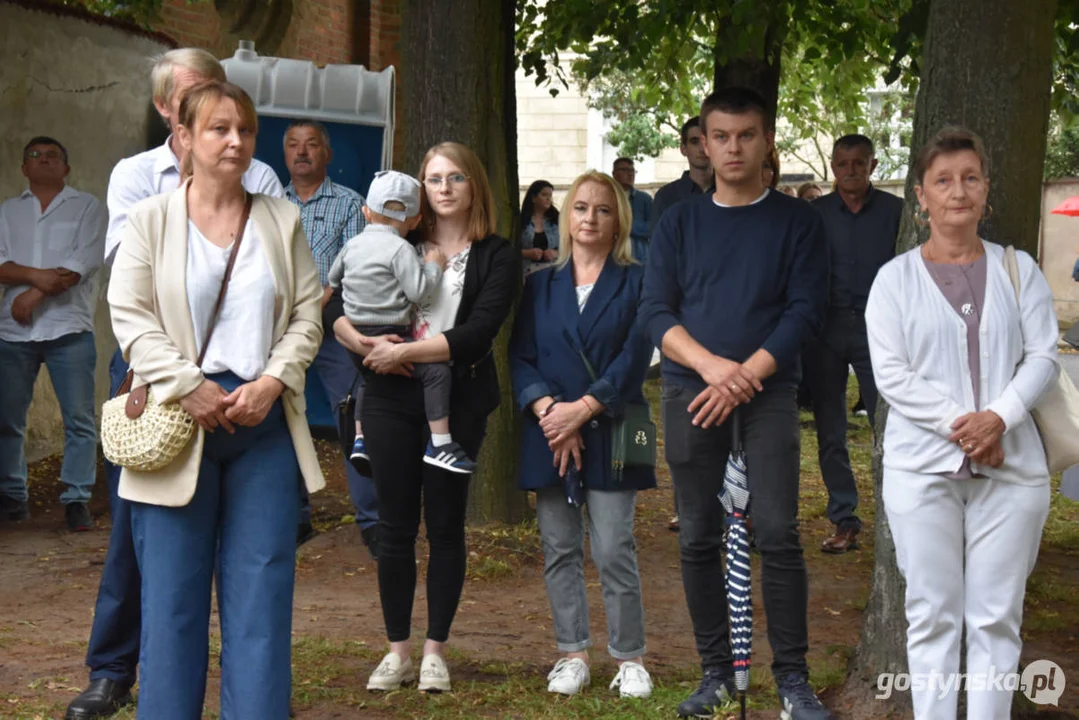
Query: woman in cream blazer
{"points": [[231, 499], [962, 363]]}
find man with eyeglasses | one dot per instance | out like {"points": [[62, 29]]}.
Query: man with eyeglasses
{"points": [[331, 214], [52, 241], [641, 203]]}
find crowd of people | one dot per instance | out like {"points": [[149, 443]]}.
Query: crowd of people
{"points": [[226, 288]]}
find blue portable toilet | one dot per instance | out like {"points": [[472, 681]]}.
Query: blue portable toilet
{"points": [[357, 107]]}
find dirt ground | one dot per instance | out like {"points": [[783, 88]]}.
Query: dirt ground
{"points": [[49, 579]]}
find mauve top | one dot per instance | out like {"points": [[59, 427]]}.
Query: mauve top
{"points": [[963, 286]]}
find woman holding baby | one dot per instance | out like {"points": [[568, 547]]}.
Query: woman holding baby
{"points": [[457, 324]]}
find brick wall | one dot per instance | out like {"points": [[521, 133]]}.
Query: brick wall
{"points": [[385, 50], [193, 25], [321, 31], [318, 30]]}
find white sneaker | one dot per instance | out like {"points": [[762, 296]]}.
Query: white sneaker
{"points": [[434, 675], [391, 673], [569, 677], [632, 680]]}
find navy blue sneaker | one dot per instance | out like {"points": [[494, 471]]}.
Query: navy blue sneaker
{"points": [[359, 450], [799, 700], [715, 691], [450, 456]]}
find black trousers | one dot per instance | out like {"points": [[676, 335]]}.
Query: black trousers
{"points": [[697, 458], [396, 431], [842, 344]]}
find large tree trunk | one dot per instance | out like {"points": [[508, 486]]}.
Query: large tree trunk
{"points": [[758, 70], [987, 66], [458, 84]]}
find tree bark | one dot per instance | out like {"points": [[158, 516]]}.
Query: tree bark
{"points": [[987, 66], [458, 84], [758, 71]]}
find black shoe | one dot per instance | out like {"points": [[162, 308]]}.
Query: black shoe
{"points": [[78, 517], [714, 691], [304, 532], [799, 700], [103, 698], [371, 540], [12, 510]]}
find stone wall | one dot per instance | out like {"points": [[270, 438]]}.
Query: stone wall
{"points": [[85, 83]]}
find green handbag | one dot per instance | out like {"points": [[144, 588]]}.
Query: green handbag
{"points": [[633, 434]]}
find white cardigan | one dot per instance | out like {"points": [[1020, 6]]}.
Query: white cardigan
{"points": [[918, 346]]}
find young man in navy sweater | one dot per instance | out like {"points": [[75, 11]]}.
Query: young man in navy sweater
{"points": [[737, 282]]}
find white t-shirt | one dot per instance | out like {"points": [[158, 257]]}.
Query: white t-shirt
{"points": [[244, 334], [439, 313]]}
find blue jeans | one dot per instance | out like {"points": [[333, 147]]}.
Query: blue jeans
{"points": [[243, 516], [337, 373], [113, 651], [70, 360]]}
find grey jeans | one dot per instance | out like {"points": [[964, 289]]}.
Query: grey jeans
{"points": [[614, 551]]}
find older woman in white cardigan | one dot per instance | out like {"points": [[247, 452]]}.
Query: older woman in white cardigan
{"points": [[966, 485]]}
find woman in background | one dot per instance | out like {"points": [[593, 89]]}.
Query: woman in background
{"points": [[539, 227]]}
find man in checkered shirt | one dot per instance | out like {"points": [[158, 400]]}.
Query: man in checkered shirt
{"points": [[331, 216]]}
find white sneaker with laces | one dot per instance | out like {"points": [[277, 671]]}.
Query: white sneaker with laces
{"points": [[632, 680], [569, 676], [391, 673], [434, 675]]}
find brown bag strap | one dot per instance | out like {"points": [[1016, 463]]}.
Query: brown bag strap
{"points": [[129, 379]]}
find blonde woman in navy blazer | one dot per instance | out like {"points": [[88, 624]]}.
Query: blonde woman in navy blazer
{"points": [[586, 303]]}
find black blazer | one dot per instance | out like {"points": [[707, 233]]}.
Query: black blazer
{"points": [[491, 281]]}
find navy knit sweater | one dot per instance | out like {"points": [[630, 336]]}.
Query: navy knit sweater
{"points": [[738, 279]]}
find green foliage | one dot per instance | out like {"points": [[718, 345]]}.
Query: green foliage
{"points": [[143, 12], [637, 137], [647, 65], [1062, 150]]}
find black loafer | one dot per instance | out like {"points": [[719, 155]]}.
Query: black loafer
{"points": [[371, 540], [12, 510], [304, 532], [102, 699], [78, 517]]}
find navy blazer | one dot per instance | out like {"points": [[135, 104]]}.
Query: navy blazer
{"points": [[545, 359]]}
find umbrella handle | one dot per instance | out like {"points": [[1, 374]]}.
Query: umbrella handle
{"points": [[736, 431]]}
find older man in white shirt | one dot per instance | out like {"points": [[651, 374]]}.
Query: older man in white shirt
{"points": [[51, 244], [113, 651]]}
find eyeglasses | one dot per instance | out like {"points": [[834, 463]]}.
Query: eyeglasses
{"points": [[434, 182], [48, 155]]}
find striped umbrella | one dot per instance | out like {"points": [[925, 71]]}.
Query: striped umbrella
{"points": [[735, 500]]}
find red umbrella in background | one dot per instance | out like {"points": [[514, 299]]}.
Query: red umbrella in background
{"points": [[1069, 207]]}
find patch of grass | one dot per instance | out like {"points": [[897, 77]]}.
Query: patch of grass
{"points": [[489, 568], [1061, 530]]}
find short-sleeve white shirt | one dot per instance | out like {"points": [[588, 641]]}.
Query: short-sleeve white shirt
{"points": [[69, 233]]}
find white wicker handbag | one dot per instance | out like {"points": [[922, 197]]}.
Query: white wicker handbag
{"points": [[139, 433], [1057, 413]]}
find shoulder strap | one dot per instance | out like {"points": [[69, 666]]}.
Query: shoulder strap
{"points": [[228, 275], [1011, 264], [129, 379]]}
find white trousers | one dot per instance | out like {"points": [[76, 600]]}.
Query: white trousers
{"points": [[966, 548]]}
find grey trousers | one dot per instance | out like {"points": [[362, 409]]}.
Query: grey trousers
{"points": [[614, 551]]}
